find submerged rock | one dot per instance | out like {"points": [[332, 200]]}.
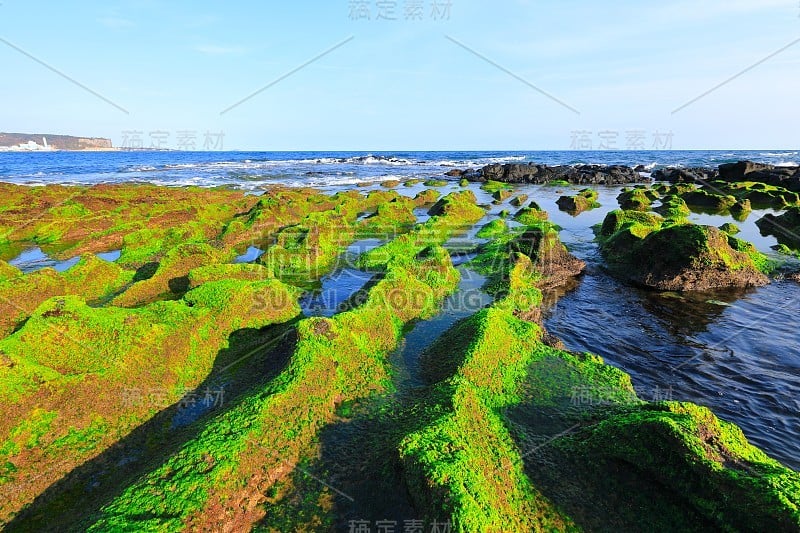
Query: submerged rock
{"points": [[665, 255], [785, 227]]}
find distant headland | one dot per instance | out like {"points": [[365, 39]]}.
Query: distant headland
{"points": [[25, 142]]}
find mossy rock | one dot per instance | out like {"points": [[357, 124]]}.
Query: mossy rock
{"points": [[492, 229], [435, 183], [673, 207], [519, 200], [702, 460], [493, 187], [663, 255], [637, 199], [531, 215], [709, 201], [577, 204], [730, 228], [427, 197], [7, 271]]}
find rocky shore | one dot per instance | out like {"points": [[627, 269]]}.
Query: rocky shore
{"points": [[178, 312], [787, 177]]}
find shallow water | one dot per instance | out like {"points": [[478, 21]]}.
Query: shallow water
{"points": [[735, 351], [34, 259]]}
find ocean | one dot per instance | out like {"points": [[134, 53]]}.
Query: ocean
{"points": [[255, 170]]}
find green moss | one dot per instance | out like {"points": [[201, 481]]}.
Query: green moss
{"points": [[435, 183], [704, 461], [172, 274], [730, 228], [492, 229], [428, 196], [531, 215], [673, 207], [91, 277], [242, 271], [464, 182], [637, 199], [493, 187], [708, 200], [519, 200], [450, 214], [676, 255], [585, 199], [336, 360]]}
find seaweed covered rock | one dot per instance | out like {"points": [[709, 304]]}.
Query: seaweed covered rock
{"points": [[706, 462], [531, 215], [673, 207], [171, 275], [91, 278], [85, 377], [458, 206], [663, 255], [636, 199], [7, 271], [583, 201], [710, 201], [549, 256]]}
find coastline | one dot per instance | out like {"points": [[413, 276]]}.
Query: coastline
{"points": [[178, 267]]}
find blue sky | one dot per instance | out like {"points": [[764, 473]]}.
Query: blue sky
{"points": [[402, 84]]}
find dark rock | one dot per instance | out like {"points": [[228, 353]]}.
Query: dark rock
{"points": [[454, 173], [738, 171]]}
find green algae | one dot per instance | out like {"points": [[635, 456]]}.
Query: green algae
{"points": [[531, 215], [519, 200], [79, 361], [335, 360], [171, 274], [583, 201], [91, 277], [730, 228], [493, 187], [704, 461], [435, 183], [448, 215], [492, 229], [476, 370], [7, 271], [675, 255], [637, 199], [673, 207]]}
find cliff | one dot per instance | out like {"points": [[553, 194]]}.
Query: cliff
{"points": [[60, 142]]}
